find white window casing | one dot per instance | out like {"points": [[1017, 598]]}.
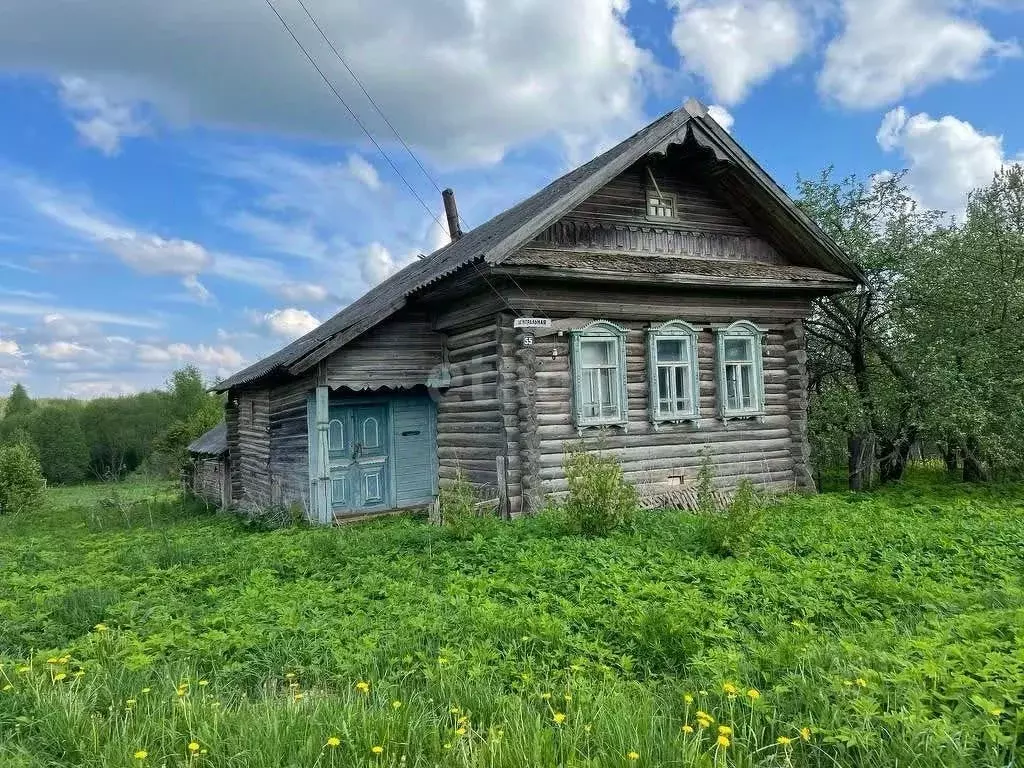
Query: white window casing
{"points": [[739, 363], [598, 362]]}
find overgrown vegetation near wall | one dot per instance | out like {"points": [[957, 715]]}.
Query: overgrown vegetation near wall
{"points": [[109, 438], [861, 630]]}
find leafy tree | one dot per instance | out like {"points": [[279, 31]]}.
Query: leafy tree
{"points": [[57, 433], [855, 341], [19, 403], [21, 480], [195, 410]]}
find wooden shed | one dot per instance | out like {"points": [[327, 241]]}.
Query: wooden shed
{"points": [[651, 302], [209, 476]]}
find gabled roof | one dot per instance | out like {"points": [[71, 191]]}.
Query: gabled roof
{"points": [[212, 443], [497, 239]]}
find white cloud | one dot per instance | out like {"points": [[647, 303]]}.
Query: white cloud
{"points": [[363, 171], [223, 357], [946, 158], [9, 348], [722, 116], [377, 263], [304, 292], [736, 44], [27, 309], [65, 350], [489, 73], [154, 255], [289, 323], [90, 390], [889, 49], [101, 120]]}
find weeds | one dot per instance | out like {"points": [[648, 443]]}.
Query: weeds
{"points": [[600, 500]]}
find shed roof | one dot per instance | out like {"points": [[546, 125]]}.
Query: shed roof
{"points": [[212, 443], [498, 238]]}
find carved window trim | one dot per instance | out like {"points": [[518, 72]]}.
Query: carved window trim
{"points": [[584, 376], [687, 335], [660, 206], [746, 330]]}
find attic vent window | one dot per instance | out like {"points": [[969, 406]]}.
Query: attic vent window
{"points": [[661, 206]]}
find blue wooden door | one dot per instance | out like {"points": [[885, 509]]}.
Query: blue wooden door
{"points": [[359, 455]]}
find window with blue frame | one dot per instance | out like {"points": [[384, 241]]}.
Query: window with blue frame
{"points": [[673, 373], [740, 370], [598, 360]]}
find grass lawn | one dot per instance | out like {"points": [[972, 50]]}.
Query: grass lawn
{"points": [[862, 630]]}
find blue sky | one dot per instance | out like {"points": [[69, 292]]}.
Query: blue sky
{"points": [[178, 185]]}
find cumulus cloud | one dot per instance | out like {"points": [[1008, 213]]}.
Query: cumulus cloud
{"points": [[736, 44], [303, 293], [223, 357], [489, 73], [361, 170], [946, 158], [289, 323], [100, 119], [722, 116], [377, 263], [9, 348], [889, 49], [65, 350]]}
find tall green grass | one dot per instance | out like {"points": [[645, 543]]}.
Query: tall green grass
{"points": [[888, 625]]}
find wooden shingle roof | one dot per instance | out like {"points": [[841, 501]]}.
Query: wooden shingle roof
{"points": [[498, 238]]}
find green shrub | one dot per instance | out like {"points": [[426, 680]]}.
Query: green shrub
{"points": [[600, 499], [730, 532], [461, 514], [21, 480]]}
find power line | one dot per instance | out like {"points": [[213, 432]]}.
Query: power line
{"points": [[354, 116], [376, 144]]}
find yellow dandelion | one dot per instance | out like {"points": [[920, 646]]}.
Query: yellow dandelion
{"points": [[687, 728], [632, 755], [130, 702], [861, 682], [333, 742], [53, 660], [753, 694], [723, 741], [377, 750], [460, 731], [442, 660], [101, 627], [558, 717], [141, 754], [702, 723], [59, 676], [80, 673], [181, 692], [784, 741], [688, 698], [24, 670], [396, 704], [193, 746], [995, 712], [464, 720], [568, 697], [299, 696], [545, 696], [729, 688], [455, 710], [805, 733], [362, 686], [204, 683], [725, 730]]}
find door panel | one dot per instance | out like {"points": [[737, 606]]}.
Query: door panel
{"points": [[359, 458]]}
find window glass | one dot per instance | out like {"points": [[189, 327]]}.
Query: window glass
{"points": [[737, 349], [671, 350], [673, 367], [599, 375], [742, 386]]}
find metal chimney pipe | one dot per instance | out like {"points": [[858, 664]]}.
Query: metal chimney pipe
{"points": [[451, 210]]}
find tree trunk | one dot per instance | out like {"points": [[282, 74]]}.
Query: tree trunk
{"points": [[895, 456], [975, 470], [860, 462], [951, 456]]}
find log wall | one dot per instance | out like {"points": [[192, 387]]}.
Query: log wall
{"points": [[208, 478], [470, 429], [251, 456], [289, 442]]}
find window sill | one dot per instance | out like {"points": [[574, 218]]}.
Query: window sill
{"points": [[581, 426], [742, 416]]}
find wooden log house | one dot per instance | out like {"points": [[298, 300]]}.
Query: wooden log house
{"points": [[666, 283]]}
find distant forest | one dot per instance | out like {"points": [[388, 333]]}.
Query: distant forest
{"points": [[110, 438]]}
